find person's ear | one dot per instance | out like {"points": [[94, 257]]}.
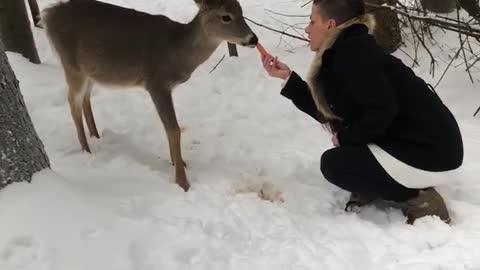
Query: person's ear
{"points": [[331, 24]]}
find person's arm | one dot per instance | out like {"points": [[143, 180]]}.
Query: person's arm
{"points": [[294, 87], [360, 68], [298, 92]]}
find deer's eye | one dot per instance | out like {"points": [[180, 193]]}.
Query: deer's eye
{"points": [[226, 19]]}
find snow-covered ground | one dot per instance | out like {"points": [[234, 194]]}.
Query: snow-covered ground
{"points": [[118, 208]]}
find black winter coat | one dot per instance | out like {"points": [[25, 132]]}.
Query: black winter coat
{"points": [[380, 100]]}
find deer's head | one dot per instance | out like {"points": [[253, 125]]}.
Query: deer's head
{"points": [[223, 20]]}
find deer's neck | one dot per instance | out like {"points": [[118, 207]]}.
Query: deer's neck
{"points": [[199, 44]]}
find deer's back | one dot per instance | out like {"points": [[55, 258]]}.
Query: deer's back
{"points": [[111, 44]]}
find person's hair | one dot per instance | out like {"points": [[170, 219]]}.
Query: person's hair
{"points": [[340, 10]]}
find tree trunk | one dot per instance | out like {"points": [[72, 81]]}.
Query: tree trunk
{"points": [[439, 6], [21, 151], [472, 7], [232, 49], [15, 29], [387, 31], [35, 11]]}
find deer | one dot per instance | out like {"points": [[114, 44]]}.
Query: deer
{"points": [[115, 46]]}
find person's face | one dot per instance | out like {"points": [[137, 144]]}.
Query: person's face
{"points": [[318, 28]]}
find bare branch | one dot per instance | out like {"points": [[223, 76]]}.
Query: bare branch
{"points": [[433, 19], [286, 15], [463, 49], [277, 31], [307, 3], [448, 67]]}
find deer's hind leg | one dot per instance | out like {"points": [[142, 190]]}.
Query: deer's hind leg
{"points": [[87, 110], [77, 86]]}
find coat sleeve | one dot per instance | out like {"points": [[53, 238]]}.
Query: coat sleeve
{"points": [[360, 68], [297, 91]]}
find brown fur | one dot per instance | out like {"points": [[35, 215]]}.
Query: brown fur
{"points": [[107, 44], [315, 90]]}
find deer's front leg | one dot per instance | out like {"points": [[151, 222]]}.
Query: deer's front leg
{"points": [[162, 99]]}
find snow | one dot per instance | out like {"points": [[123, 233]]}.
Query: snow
{"points": [[118, 208]]}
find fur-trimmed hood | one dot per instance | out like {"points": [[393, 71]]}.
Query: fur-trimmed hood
{"points": [[315, 90]]}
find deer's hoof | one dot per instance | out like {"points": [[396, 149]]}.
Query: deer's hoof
{"points": [[184, 184]]}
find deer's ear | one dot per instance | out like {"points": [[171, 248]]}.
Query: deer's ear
{"points": [[208, 3]]}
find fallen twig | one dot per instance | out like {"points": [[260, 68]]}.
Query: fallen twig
{"points": [[221, 60]]}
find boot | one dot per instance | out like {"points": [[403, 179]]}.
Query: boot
{"points": [[428, 202], [359, 200]]}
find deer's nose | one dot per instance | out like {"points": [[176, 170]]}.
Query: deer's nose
{"points": [[253, 41]]}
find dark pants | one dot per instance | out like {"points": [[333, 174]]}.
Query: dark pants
{"points": [[355, 169]]}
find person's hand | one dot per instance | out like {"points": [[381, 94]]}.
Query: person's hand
{"points": [[276, 68], [335, 140]]}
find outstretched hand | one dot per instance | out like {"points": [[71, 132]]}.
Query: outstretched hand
{"points": [[273, 66]]}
